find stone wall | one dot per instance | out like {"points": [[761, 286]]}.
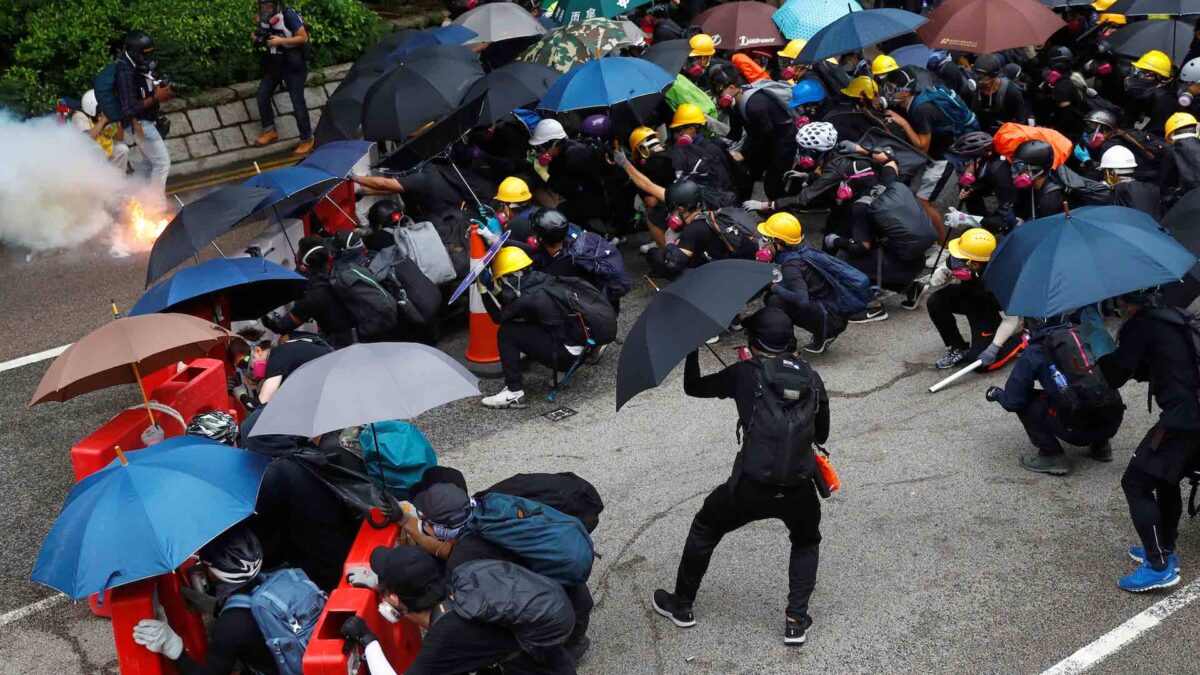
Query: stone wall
{"points": [[217, 128]]}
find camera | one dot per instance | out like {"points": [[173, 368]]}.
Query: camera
{"points": [[261, 35]]}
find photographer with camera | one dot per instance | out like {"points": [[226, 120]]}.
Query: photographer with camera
{"points": [[139, 95], [281, 32]]}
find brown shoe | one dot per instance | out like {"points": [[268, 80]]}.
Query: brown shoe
{"points": [[304, 148], [266, 138]]}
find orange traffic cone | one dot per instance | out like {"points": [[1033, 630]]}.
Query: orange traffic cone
{"points": [[483, 355]]}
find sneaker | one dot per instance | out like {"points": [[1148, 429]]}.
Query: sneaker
{"points": [[912, 296], [1138, 553], [1146, 578], [675, 608], [596, 354], [793, 634], [1101, 452], [616, 240], [305, 147], [953, 357], [816, 346], [647, 247], [505, 399], [736, 324], [713, 340], [1055, 465], [266, 138], [869, 315]]}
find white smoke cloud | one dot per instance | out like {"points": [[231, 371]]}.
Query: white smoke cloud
{"points": [[57, 189]]}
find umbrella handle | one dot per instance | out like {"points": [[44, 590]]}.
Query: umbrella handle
{"points": [[142, 390]]}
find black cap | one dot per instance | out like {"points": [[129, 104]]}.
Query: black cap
{"points": [[410, 573], [770, 330], [438, 474], [444, 504]]}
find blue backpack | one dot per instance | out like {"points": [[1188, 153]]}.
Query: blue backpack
{"points": [[851, 288], [958, 117], [601, 260], [396, 454], [549, 541], [105, 86], [286, 606]]}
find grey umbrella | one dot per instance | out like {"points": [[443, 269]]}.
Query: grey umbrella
{"points": [[497, 21], [364, 384]]}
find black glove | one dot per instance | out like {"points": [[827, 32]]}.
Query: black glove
{"points": [[251, 404], [993, 394], [390, 507], [356, 629]]}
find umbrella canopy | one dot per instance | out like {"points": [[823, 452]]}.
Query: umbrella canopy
{"points": [[571, 11], [1056, 4], [1147, 7], [1055, 265], [420, 91], [146, 513], [375, 59], [513, 85], [1170, 36], [986, 26], [681, 317], [337, 158], [292, 187], [364, 384], [103, 357], [858, 30], [1183, 222], [568, 46], [342, 117], [801, 19], [198, 223], [912, 55], [740, 25], [606, 82], [498, 21], [255, 286], [670, 55], [443, 35]]}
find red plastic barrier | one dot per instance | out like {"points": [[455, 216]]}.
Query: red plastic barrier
{"points": [[336, 213], [198, 388], [133, 602]]}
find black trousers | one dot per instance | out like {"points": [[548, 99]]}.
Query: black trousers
{"points": [[812, 317], [537, 342], [293, 76], [731, 506], [893, 274], [1045, 428], [581, 601], [1151, 486], [981, 310]]}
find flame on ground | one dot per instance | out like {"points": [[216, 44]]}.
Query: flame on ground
{"points": [[138, 228]]}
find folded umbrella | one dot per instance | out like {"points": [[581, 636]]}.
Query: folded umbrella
{"points": [[364, 384], [255, 286], [569, 11], [337, 158], [986, 26], [1183, 222], [146, 513], [606, 82], [511, 86], [735, 26], [801, 19], [420, 91], [499, 21], [681, 317], [857, 30], [568, 46], [1058, 264], [1167, 35], [200, 222]]}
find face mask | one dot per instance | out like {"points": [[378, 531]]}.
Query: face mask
{"points": [[674, 222], [683, 140], [502, 217], [764, 255], [806, 162], [389, 613], [725, 101], [1075, 25], [1139, 87], [787, 73], [544, 159], [966, 180], [1104, 69], [1052, 77], [802, 120], [1023, 181], [258, 369], [844, 192], [1095, 139], [961, 274], [695, 70], [1185, 98]]}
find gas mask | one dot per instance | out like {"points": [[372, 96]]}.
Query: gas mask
{"points": [[1052, 77], [695, 70], [960, 269], [1185, 96], [1104, 68], [805, 162], [802, 120], [967, 179], [545, 158], [675, 222], [788, 73], [844, 191], [502, 217], [1022, 181], [725, 101], [764, 254], [1094, 139], [389, 613], [508, 279], [880, 103], [684, 140], [1140, 87], [258, 369]]}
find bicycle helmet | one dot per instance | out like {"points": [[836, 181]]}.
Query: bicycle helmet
{"points": [[821, 136], [214, 425], [1059, 58], [550, 225], [972, 144], [234, 558]]}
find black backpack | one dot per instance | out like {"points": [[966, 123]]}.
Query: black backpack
{"points": [[905, 226], [1087, 399], [738, 229], [374, 309], [777, 442], [565, 491], [585, 303], [497, 592], [418, 298]]}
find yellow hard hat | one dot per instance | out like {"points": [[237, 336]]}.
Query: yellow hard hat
{"points": [[508, 260], [1155, 62], [687, 113], [784, 227], [639, 136], [702, 45], [1116, 19], [1178, 121], [792, 50], [861, 86], [883, 64], [1102, 5], [975, 244], [513, 190]]}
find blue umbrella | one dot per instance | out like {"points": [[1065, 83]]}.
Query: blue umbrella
{"points": [[605, 82], [337, 158], [146, 513], [858, 30], [261, 287], [453, 34], [803, 18], [1054, 265], [912, 55], [292, 187]]}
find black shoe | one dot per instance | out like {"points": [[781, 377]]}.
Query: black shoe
{"points": [[1055, 465], [1101, 452], [793, 632], [816, 346], [912, 296], [869, 315], [675, 608], [736, 324]]}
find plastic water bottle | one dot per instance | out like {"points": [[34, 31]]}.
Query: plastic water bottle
{"points": [[1060, 380]]}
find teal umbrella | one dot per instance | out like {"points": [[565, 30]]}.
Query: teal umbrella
{"points": [[569, 11], [801, 19]]}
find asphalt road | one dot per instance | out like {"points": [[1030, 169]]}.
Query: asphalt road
{"points": [[940, 554]]}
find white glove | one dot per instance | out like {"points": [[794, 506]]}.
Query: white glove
{"points": [[619, 158], [362, 577], [158, 637], [755, 205], [955, 219]]}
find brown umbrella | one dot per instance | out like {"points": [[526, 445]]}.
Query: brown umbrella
{"points": [[986, 26], [117, 352]]}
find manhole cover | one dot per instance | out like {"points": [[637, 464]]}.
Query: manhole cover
{"points": [[559, 414]]}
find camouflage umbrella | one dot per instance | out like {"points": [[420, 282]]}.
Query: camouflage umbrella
{"points": [[568, 46]]}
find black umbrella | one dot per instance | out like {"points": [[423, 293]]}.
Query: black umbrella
{"points": [[1148, 7], [682, 317], [1183, 222], [1170, 36], [342, 118], [669, 55], [426, 87], [435, 137], [516, 85], [198, 223]]}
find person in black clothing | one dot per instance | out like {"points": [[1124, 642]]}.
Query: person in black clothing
{"points": [[997, 99], [383, 216], [702, 234], [745, 497], [983, 173], [766, 127], [1040, 188], [1059, 104], [268, 365], [139, 96], [1151, 92], [1118, 167], [928, 130], [281, 34], [662, 27], [433, 190], [320, 302]]}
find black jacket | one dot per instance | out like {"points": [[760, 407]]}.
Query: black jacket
{"points": [[534, 305]]}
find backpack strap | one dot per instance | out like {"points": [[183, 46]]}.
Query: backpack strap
{"points": [[237, 601], [711, 218]]}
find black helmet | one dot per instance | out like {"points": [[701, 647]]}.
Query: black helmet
{"points": [[722, 75], [1102, 117], [214, 425], [987, 64], [235, 557], [550, 225], [684, 193], [1059, 57], [1035, 153], [972, 144], [139, 46], [384, 213], [348, 240]]}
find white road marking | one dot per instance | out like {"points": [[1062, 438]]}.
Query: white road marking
{"points": [[32, 358], [1111, 642], [29, 610]]}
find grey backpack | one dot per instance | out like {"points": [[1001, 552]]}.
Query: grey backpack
{"points": [[421, 243]]}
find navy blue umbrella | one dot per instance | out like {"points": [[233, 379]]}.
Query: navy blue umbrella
{"points": [[1055, 265], [337, 158], [292, 188], [258, 286], [858, 30], [453, 34], [912, 55], [201, 221], [605, 82]]}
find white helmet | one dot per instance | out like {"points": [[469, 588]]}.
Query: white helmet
{"points": [[821, 136], [90, 105], [1118, 158], [1190, 72], [546, 131]]}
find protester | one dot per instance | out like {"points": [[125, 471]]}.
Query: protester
{"points": [[998, 99], [139, 96], [282, 35], [382, 217], [107, 134], [320, 302]]}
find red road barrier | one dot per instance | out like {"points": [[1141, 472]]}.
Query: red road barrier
{"points": [[133, 602], [336, 212]]}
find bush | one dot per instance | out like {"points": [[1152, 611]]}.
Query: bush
{"points": [[199, 44]]}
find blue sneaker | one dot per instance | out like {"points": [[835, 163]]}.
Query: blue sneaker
{"points": [[1139, 554], [1146, 578]]}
